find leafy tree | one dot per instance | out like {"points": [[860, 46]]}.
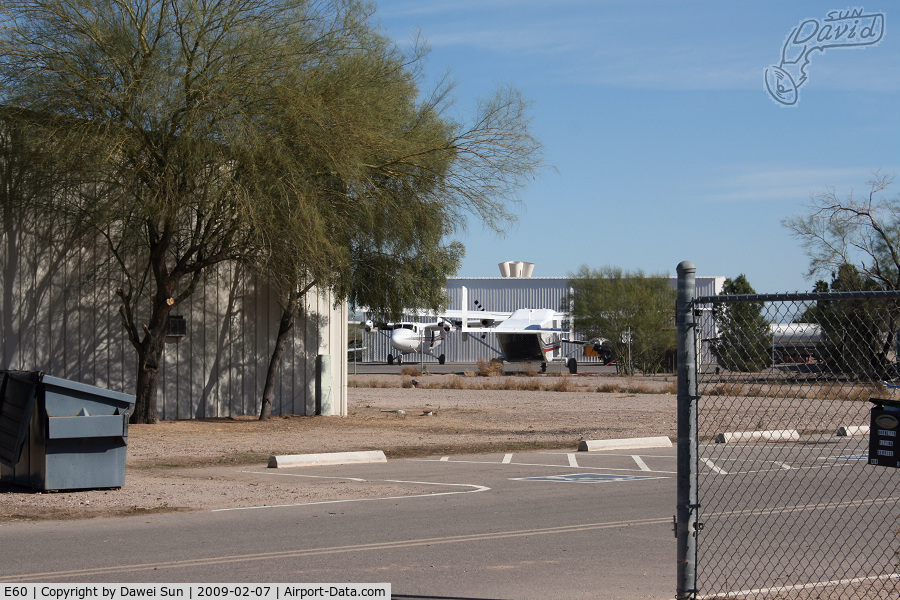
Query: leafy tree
{"points": [[857, 240], [174, 90], [633, 312], [812, 314], [283, 134], [382, 201], [744, 342], [856, 332]]}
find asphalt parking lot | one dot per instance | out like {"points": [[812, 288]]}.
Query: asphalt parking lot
{"points": [[501, 525]]}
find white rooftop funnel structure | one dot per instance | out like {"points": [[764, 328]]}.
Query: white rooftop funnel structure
{"points": [[516, 268]]}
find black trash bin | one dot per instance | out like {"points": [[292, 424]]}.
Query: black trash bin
{"points": [[57, 434], [884, 433]]}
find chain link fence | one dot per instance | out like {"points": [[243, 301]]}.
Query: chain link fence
{"points": [[784, 497]]}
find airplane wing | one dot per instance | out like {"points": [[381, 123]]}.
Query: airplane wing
{"points": [[439, 324], [523, 320], [474, 318], [532, 320]]}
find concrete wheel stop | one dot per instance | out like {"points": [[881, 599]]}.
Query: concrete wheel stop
{"points": [[326, 458]]}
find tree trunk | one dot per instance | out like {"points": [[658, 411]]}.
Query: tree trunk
{"points": [[10, 346], [150, 356], [288, 318]]}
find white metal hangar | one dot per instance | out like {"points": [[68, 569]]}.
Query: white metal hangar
{"points": [[512, 290]]}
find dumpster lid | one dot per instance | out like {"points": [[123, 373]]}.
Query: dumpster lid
{"points": [[18, 390], [74, 387]]}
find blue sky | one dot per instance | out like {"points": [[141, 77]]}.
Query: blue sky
{"points": [[663, 140]]}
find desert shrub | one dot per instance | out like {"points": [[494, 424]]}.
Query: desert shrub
{"points": [[756, 391], [837, 391], [460, 383], [638, 388], [724, 389], [529, 385], [489, 368], [563, 384], [375, 383]]}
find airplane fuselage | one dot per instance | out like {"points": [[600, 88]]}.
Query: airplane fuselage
{"points": [[529, 346], [530, 335], [411, 338], [416, 338]]}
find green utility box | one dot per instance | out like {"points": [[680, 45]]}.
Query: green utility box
{"points": [[57, 434]]}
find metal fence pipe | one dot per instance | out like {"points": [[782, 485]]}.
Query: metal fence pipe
{"points": [[685, 518]]}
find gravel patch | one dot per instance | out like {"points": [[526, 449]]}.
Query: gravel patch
{"points": [[221, 463]]}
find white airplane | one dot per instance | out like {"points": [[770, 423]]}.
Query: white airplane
{"points": [[414, 338], [524, 335]]}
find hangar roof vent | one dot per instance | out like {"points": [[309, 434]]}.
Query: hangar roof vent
{"points": [[516, 268]]}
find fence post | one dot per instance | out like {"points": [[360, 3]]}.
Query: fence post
{"points": [[687, 433]]}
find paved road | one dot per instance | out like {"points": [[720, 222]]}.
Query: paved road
{"points": [[500, 526], [530, 525]]}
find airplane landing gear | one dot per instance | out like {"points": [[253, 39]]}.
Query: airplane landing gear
{"points": [[573, 366], [442, 359]]}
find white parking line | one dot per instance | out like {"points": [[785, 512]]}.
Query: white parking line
{"points": [[475, 489], [782, 589], [713, 466], [640, 462], [507, 459], [573, 461], [554, 466], [284, 474]]}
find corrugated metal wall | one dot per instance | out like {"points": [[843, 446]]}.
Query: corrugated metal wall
{"points": [[60, 316], [503, 294]]}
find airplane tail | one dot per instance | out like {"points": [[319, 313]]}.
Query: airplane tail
{"points": [[465, 313]]}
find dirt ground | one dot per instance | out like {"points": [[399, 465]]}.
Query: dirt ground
{"points": [[218, 463]]}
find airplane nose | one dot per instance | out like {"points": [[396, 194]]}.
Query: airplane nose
{"points": [[401, 339]]}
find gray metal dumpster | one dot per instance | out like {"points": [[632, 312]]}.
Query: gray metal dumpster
{"points": [[57, 434]]}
